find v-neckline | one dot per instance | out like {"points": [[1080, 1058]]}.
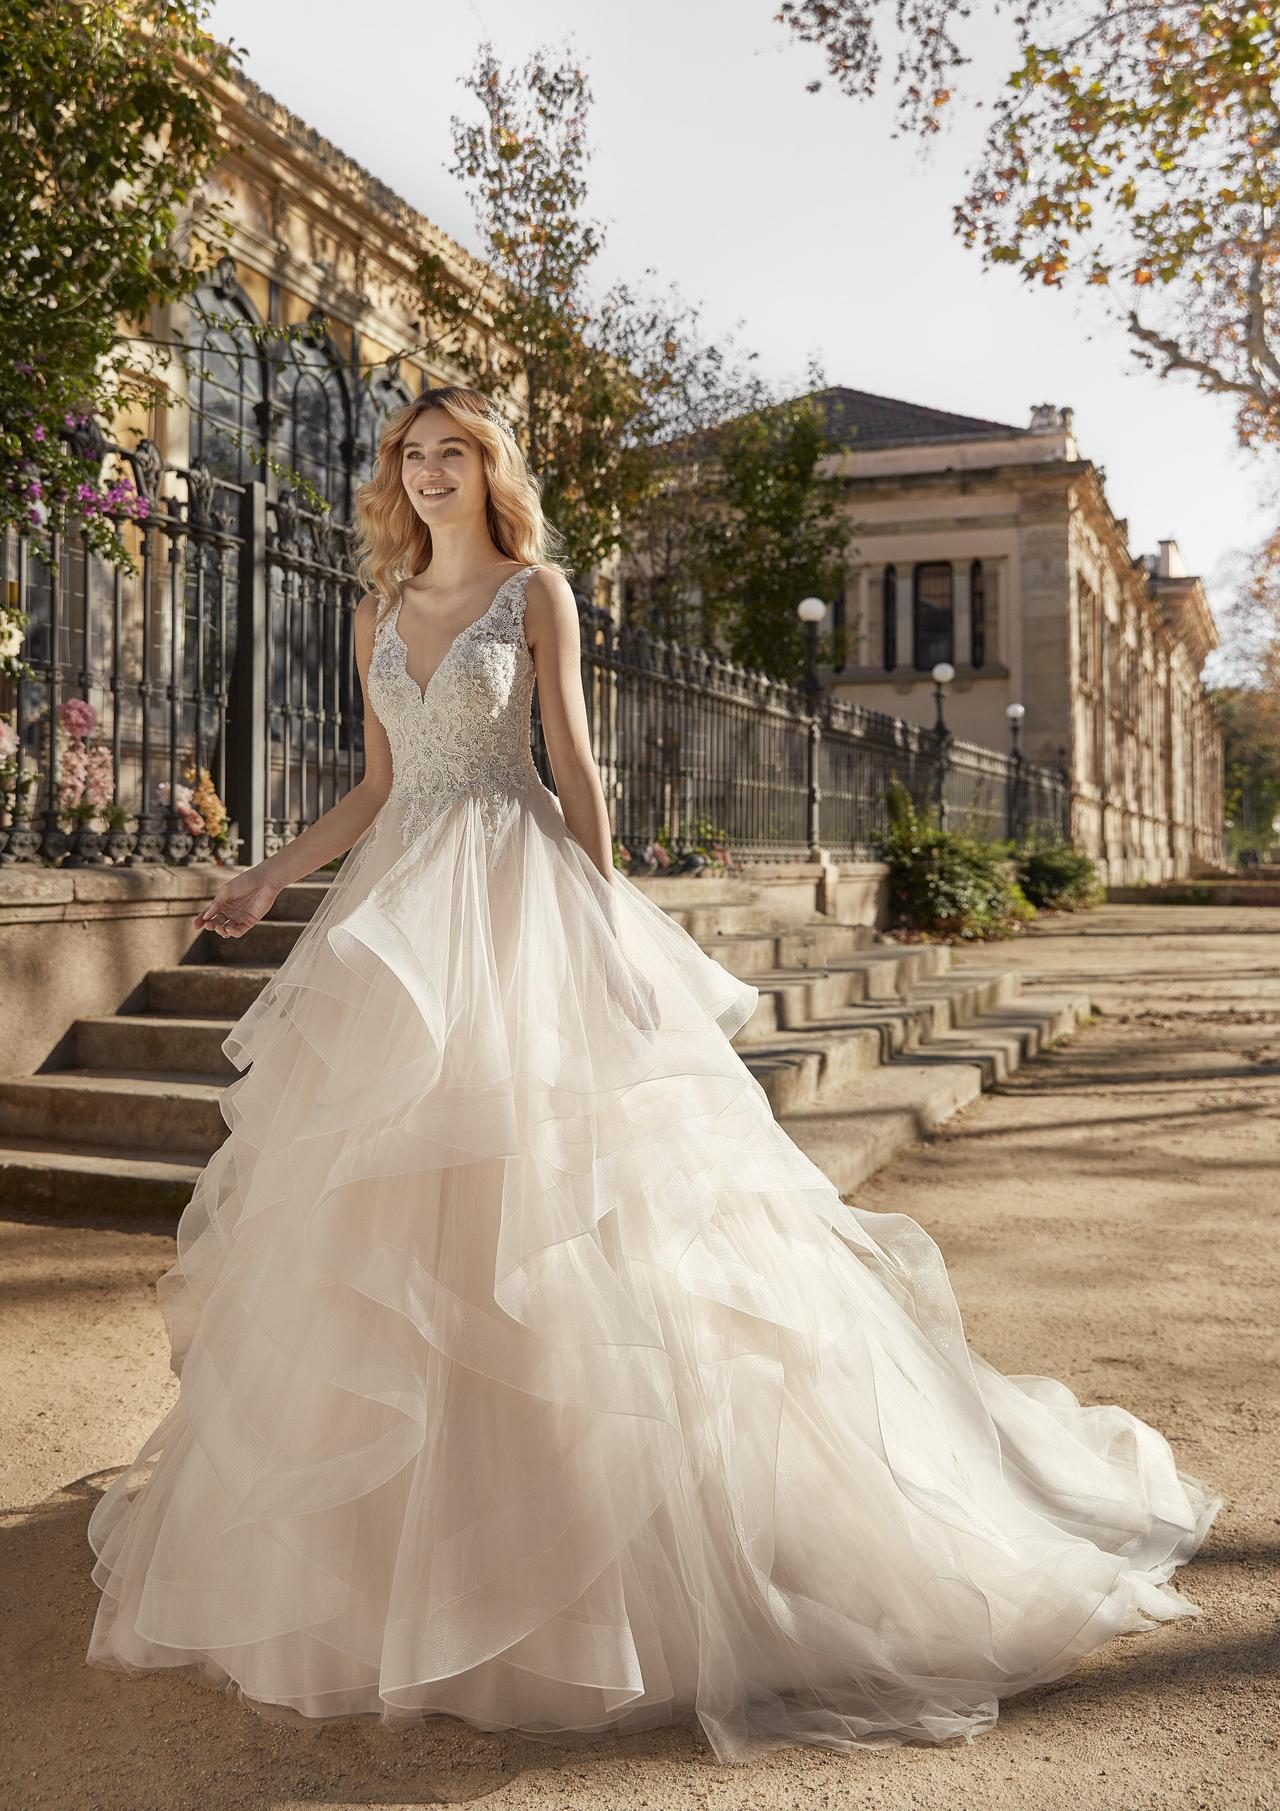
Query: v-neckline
{"points": [[393, 622]]}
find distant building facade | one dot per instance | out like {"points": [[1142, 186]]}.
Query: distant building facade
{"points": [[994, 549]]}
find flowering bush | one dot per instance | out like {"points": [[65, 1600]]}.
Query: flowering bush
{"points": [[199, 809], [12, 791], [86, 776], [205, 801], [943, 884], [13, 629]]}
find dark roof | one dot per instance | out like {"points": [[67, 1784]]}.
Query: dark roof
{"points": [[859, 419]]}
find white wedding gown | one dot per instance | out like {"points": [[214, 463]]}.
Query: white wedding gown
{"points": [[531, 1373]]}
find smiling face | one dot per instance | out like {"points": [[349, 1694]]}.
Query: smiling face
{"points": [[442, 469]]}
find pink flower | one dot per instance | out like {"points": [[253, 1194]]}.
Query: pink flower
{"points": [[39, 430], [72, 772], [99, 784], [69, 419], [77, 716]]}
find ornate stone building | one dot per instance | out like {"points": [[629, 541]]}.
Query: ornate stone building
{"points": [[314, 234], [994, 549]]}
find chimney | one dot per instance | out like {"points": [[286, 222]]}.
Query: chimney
{"points": [[1169, 561]]}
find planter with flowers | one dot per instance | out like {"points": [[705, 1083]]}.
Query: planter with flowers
{"points": [[202, 815], [16, 790], [86, 784]]}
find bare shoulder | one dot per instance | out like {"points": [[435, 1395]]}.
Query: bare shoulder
{"points": [[550, 605], [367, 616]]}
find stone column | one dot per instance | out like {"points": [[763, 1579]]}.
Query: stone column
{"points": [[961, 614], [906, 588]]}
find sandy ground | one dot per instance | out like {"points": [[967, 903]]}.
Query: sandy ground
{"points": [[1109, 1218]]}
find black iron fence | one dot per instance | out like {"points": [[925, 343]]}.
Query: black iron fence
{"points": [[221, 673]]}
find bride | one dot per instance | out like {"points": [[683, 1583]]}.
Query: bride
{"points": [[529, 1372]]}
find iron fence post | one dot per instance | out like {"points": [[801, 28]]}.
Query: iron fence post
{"points": [[248, 704], [815, 790]]}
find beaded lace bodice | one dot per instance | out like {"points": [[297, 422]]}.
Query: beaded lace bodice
{"points": [[467, 731]]}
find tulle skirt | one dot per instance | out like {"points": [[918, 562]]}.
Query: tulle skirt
{"points": [[530, 1372]]}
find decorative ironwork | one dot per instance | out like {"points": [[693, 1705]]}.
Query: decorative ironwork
{"points": [[232, 649]]}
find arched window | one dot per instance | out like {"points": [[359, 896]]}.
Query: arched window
{"points": [[225, 400], [380, 394], [933, 619], [889, 618], [314, 421], [977, 614]]}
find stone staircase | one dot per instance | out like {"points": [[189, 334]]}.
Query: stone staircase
{"points": [[861, 1045]]}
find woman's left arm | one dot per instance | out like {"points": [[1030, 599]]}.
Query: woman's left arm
{"points": [[555, 641]]}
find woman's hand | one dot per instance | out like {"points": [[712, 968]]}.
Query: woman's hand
{"points": [[238, 905]]}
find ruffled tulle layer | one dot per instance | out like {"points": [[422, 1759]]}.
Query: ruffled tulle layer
{"points": [[531, 1373]]}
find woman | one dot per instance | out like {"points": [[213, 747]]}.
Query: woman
{"points": [[529, 1371]]}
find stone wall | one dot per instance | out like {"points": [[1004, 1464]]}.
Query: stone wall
{"points": [[78, 942]]}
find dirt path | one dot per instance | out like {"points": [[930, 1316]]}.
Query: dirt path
{"points": [[1109, 1217]]}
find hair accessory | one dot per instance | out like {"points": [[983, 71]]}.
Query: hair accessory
{"points": [[499, 420]]}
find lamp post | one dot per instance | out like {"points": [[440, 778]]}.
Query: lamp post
{"points": [[943, 674], [812, 611], [1015, 713]]}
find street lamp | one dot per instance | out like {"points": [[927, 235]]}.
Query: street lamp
{"points": [[943, 674], [1015, 713], [811, 611]]}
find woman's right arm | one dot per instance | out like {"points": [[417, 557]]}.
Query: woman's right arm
{"points": [[247, 897]]}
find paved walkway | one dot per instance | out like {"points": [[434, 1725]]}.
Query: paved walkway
{"points": [[1109, 1217]]}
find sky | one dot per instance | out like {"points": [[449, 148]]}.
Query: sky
{"points": [[795, 221]]}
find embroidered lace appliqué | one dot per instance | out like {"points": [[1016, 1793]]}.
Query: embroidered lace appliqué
{"points": [[469, 730]]}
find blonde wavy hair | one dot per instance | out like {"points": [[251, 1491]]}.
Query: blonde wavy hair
{"points": [[392, 543]]}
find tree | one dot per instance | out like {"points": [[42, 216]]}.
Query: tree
{"points": [[1251, 765], [527, 333], [111, 129], [773, 531], [688, 386], [105, 136], [1135, 147]]}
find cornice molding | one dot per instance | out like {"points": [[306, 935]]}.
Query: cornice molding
{"points": [[270, 127]]}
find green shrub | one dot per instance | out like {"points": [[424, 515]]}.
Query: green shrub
{"points": [[942, 884], [1056, 877]]}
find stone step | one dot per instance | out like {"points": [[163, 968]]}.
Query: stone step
{"points": [[160, 1042], [176, 1118], [799, 999], [218, 990], [878, 972], [859, 1044], [675, 892], [49, 1177], [264, 945], [896, 1105], [762, 943], [815, 1064], [301, 900], [1199, 892], [707, 922], [1002, 1039]]}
